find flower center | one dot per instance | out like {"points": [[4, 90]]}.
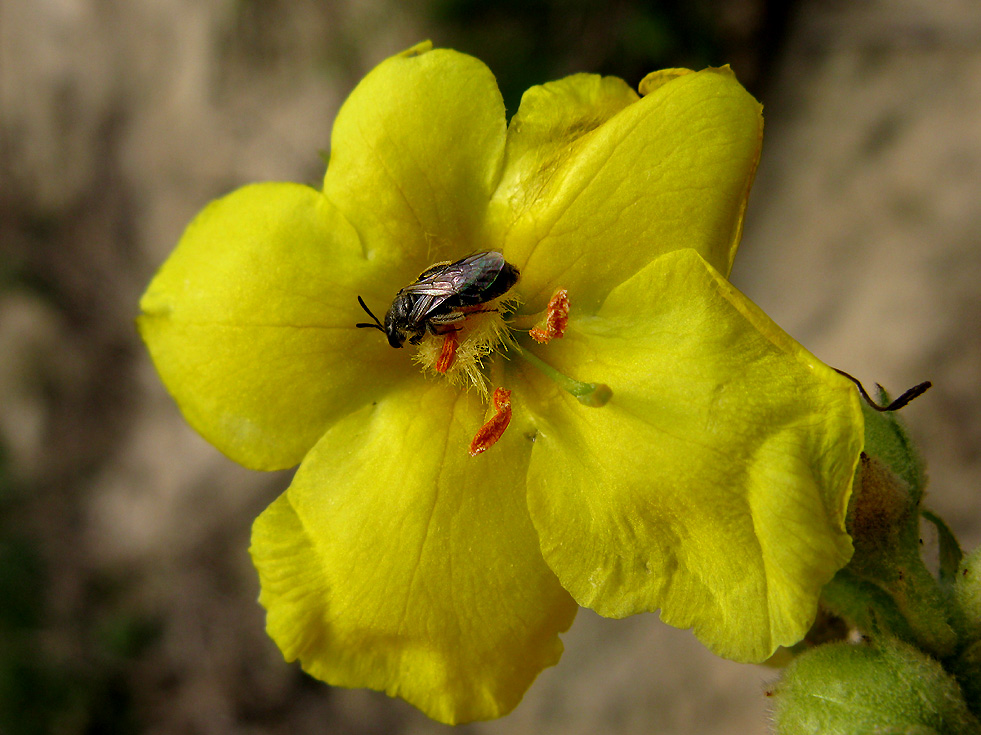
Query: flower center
{"points": [[458, 350]]}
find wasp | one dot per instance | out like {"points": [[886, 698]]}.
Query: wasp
{"points": [[442, 295]]}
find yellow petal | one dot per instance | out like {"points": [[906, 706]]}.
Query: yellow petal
{"points": [[415, 153], [250, 323], [551, 125], [590, 194], [398, 562], [714, 483]]}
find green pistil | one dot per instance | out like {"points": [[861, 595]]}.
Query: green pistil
{"points": [[588, 394]]}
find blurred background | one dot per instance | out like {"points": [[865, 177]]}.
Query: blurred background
{"points": [[127, 598]]}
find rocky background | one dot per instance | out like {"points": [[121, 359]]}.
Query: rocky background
{"points": [[127, 599]]}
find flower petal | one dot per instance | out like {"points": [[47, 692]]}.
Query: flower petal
{"points": [[250, 323], [552, 124], [416, 151], [398, 562], [591, 192], [714, 483]]}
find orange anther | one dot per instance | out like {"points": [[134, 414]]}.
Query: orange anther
{"points": [[446, 355], [488, 434], [556, 319]]}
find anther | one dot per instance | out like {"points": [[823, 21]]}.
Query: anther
{"points": [[447, 353], [555, 321], [488, 434]]}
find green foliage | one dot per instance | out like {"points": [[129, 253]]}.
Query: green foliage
{"points": [[884, 523], [919, 667], [950, 551], [887, 440], [966, 598], [885, 686], [967, 668]]}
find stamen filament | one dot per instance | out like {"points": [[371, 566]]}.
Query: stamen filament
{"points": [[588, 394]]}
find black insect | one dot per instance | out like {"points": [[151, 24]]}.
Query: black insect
{"points": [[443, 295]]}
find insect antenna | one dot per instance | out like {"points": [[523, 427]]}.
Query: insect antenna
{"points": [[376, 325]]}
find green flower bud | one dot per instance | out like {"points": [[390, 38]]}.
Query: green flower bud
{"points": [[885, 687]]}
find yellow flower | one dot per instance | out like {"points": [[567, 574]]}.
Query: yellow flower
{"points": [[712, 484]]}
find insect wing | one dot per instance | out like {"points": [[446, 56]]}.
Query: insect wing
{"points": [[462, 283], [471, 275], [425, 305], [479, 272]]}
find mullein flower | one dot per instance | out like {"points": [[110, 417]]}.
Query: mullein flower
{"points": [[622, 429]]}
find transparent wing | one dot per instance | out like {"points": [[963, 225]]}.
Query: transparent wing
{"points": [[463, 281]]}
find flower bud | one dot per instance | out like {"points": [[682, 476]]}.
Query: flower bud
{"points": [[887, 686]]}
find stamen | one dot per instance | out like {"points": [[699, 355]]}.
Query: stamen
{"points": [[488, 434], [448, 353], [588, 394], [460, 358], [555, 321]]}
